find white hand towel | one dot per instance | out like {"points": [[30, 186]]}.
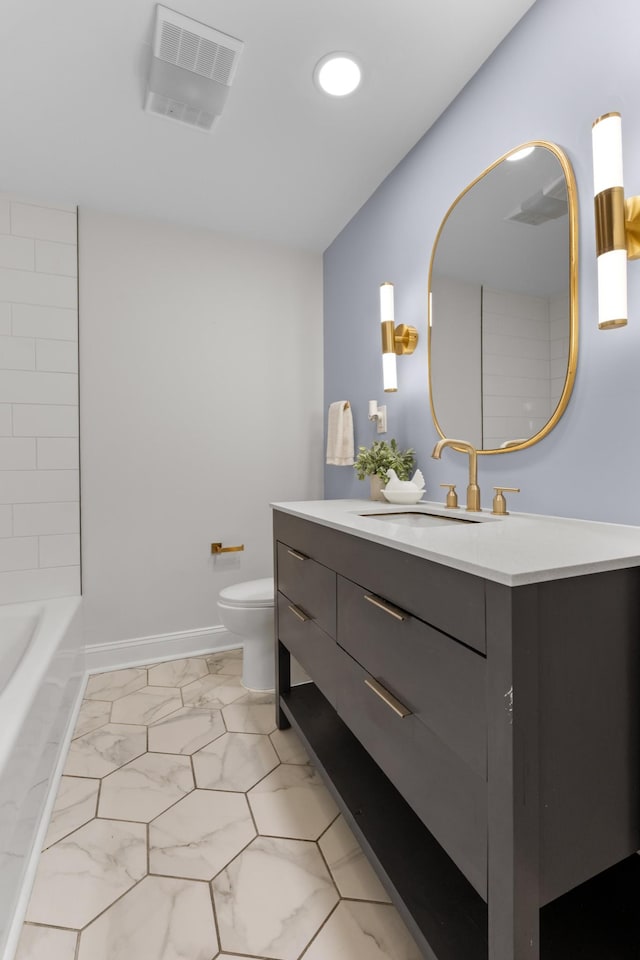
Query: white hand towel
{"points": [[340, 434]]}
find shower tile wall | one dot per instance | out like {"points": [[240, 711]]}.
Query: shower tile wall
{"points": [[524, 361], [559, 324], [39, 470]]}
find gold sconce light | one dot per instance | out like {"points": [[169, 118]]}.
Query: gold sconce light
{"points": [[617, 222], [396, 341]]}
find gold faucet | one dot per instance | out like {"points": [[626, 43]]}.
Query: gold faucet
{"points": [[473, 490]]}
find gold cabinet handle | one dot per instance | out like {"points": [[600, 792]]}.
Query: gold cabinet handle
{"points": [[388, 698], [394, 612], [294, 553], [300, 614], [218, 548]]}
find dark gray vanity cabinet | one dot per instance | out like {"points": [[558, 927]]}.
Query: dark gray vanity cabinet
{"points": [[482, 741]]}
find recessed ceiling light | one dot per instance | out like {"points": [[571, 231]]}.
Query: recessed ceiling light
{"points": [[337, 74], [520, 154]]}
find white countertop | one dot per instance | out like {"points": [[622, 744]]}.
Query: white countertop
{"points": [[517, 549]]}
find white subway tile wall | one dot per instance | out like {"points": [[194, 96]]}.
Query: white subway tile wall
{"points": [[525, 350], [57, 453], [5, 319], [5, 217], [53, 323], [39, 460], [45, 518], [5, 420], [18, 553], [17, 353], [6, 520], [61, 550], [45, 420], [559, 346], [18, 453], [60, 258], [60, 355], [45, 583]]}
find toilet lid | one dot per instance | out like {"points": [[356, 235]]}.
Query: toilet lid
{"points": [[251, 593]]}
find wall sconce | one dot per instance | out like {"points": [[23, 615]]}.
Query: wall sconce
{"points": [[396, 341], [617, 222]]}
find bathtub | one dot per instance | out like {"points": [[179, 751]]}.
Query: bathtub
{"points": [[41, 668]]}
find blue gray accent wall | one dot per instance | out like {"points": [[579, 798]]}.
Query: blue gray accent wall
{"points": [[564, 64]]}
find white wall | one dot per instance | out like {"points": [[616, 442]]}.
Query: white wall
{"points": [[201, 387], [39, 516]]}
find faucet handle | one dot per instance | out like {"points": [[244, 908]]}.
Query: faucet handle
{"points": [[499, 502], [452, 496]]}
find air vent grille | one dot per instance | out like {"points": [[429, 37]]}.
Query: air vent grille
{"points": [[196, 47], [550, 203], [191, 69]]}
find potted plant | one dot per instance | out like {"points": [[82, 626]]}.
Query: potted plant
{"points": [[374, 461]]}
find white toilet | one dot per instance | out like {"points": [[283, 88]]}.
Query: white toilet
{"points": [[246, 610]]}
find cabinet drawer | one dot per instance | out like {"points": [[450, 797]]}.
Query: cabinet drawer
{"points": [[440, 680], [449, 599], [309, 585], [445, 793], [312, 648]]}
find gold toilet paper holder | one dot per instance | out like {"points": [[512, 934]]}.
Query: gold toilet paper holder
{"points": [[218, 548]]}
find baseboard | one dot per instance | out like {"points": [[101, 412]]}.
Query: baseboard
{"points": [[161, 646]]}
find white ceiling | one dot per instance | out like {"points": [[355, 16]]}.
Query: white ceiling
{"points": [[284, 163]]}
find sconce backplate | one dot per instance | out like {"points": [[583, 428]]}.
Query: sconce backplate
{"points": [[632, 227], [405, 339]]}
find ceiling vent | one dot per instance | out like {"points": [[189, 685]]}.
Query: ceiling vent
{"points": [[550, 203], [191, 70]]}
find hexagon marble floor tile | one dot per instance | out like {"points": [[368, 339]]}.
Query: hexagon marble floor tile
{"points": [[186, 827]]}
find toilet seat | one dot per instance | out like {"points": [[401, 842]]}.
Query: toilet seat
{"points": [[251, 594]]}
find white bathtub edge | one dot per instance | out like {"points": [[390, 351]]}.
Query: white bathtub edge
{"points": [[29, 876], [99, 658]]}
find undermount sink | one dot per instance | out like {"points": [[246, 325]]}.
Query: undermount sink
{"points": [[416, 518]]}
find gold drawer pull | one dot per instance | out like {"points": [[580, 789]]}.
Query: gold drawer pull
{"points": [[297, 612], [294, 553], [394, 612], [387, 698], [218, 548]]}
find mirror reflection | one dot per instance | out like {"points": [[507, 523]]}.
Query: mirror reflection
{"points": [[502, 303]]}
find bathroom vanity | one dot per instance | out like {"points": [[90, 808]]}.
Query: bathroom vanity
{"points": [[474, 708]]}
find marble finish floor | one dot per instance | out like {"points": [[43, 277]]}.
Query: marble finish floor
{"points": [[186, 827]]}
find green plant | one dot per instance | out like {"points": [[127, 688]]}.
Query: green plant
{"points": [[379, 457]]}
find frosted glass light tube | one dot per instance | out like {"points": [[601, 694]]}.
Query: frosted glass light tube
{"points": [[608, 186], [389, 373], [386, 302], [387, 321], [607, 153], [612, 289]]}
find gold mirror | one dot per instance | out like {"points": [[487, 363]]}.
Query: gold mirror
{"points": [[503, 309]]}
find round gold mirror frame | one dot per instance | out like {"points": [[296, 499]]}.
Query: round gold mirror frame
{"points": [[573, 292]]}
